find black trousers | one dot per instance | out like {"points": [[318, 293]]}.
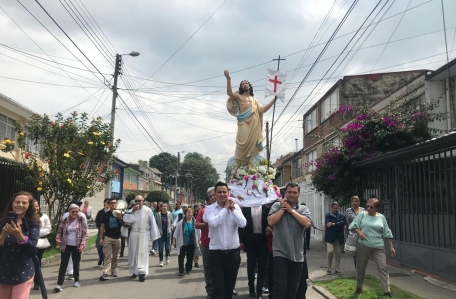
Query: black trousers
{"points": [[224, 270], [39, 254], [302, 287], [308, 238], [286, 278], [257, 253], [65, 258], [270, 274], [188, 251], [122, 245]]}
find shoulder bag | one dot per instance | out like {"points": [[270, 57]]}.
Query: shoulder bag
{"points": [[352, 240]]}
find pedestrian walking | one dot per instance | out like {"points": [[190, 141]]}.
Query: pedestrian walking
{"points": [[164, 221], [253, 241], [196, 209], [289, 220], [43, 242], [71, 238], [224, 219], [98, 219], [334, 237], [110, 239], [186, 241], [19, 227], [350, 215], [372, 230], [204, 242], [143, 229]]}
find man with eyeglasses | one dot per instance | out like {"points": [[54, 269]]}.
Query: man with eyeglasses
{"points": [[143, 229], [110, 239]]}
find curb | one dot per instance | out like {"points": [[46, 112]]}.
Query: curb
{"points": [[56, 257], [323, 292]]}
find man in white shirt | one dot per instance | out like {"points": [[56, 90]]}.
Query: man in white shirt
{"points": [[224, 218]]}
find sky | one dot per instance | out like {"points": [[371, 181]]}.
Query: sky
{"points": [[176, 90]]}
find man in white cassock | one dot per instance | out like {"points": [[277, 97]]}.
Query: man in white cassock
{"points": [[143, 229]]}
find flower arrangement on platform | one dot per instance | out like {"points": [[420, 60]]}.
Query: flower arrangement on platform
{"points": [[253, 181]]}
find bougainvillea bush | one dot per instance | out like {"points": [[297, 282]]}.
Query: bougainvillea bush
{"points": [[369, 134], [65, 158]]}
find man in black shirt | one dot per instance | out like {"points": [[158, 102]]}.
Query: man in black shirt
{"points": [[98, 224], [110, 239]]}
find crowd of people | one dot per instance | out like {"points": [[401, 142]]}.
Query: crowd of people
{"points": [[273, 237]]}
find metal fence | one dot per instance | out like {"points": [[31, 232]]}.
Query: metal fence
{"points": [[12, 180], [416, 187]]}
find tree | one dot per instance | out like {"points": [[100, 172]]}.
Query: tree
{"points": [[198, 173], [166, 163], [371, 134], [70, 161], [156, 196]]}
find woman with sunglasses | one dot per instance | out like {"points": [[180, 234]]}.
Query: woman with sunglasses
{"points": [[372, 230], [334, 236], [71, 238]]}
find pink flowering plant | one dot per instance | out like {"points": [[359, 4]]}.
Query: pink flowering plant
{"points": [[370, 134]]}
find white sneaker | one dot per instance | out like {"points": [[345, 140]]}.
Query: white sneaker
{"points": [[167, 261], [152, 252], [161, 264], [77, 284], [58, 288]]}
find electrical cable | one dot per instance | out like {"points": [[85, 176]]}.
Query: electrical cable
{"points": [[391, 36]]}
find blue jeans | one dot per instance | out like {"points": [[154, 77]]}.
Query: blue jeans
{"points": [[163, 242], [99, 248], [155, 245], [286, 278]]}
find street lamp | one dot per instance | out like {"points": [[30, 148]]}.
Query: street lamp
{"points": [[114, 98], [114, 88]]}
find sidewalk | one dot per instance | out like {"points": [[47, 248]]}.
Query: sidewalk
{"points": [[400, 277]]}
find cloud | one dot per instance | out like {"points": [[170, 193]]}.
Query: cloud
{"points": [[240, 35]]}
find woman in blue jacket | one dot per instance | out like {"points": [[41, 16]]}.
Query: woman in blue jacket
{"points": [[334, 236]]}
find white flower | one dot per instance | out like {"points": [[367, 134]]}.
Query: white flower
{"points": [[241, 172], [262, 169]]}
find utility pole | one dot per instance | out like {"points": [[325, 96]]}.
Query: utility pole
{"points": [[273, 109], [114, 93], [117, 71], [296, 144]]}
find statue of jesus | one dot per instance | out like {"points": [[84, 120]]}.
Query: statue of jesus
{"points": [[249, 113]]}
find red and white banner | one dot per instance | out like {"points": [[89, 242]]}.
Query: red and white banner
{"points": [[275, 84]]}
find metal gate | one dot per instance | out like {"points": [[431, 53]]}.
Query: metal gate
{"points": [[13, 180]]}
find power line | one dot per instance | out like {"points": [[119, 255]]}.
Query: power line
{"points": [[57, 24], [47, 83], [391, 36], [139, 122], [320, 55], [340, 63]]}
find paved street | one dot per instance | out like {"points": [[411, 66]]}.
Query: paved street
{"points": [[161, 283]]}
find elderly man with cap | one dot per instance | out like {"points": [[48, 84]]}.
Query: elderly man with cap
{"points": [[200, 224]]}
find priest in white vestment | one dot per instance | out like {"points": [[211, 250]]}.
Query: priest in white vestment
{"points": [[143, 229]]}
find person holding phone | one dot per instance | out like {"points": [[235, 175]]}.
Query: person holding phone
{"points": [[20, 230], [71, 238]]}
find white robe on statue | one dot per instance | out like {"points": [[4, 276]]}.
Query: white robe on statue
{"points": [[143, 229]]}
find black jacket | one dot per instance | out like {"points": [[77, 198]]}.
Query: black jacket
{"points": [[246, 234]]}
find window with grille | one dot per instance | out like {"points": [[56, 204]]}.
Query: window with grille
{"points": [[7, 128], [329, 105], [311, 121], [312, 156]]}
